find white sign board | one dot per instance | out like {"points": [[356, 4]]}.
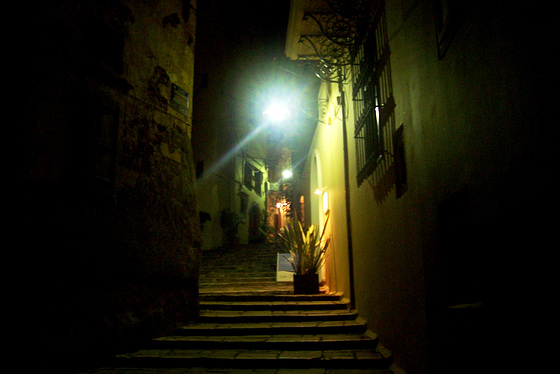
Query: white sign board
{"points": [[284, 270]]}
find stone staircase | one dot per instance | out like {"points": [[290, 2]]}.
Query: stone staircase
{"points": [[252, 324], [241, 269]]}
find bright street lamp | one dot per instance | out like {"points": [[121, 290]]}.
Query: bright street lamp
{"points": [[276, 113], [287, 174]]}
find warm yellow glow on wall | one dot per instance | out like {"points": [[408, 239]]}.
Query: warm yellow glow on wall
{"points": [[325, 202], [325, 195]]}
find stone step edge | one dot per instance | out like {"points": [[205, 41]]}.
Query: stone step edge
{"points": [[239, 282], [253, 283], [273, 328], [232, 267], [220, 259], [233, 281], [175, 358], [241, 273], [255, 259], [366, 340], [266, 296], [247, 272], [322, 313], [289, 305], [248, 293], [290, 317]]}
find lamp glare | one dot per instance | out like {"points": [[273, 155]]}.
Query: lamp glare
{"points": [[287, 174], [276, 113]]}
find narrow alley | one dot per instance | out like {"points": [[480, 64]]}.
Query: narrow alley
{"points": [[249, 323], [418, 139]]}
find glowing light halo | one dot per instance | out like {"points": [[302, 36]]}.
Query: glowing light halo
{"points": [[237, 149], [287, 174], [276, 112]]}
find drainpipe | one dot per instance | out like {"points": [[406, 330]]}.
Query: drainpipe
{"points": [[347, 190]]}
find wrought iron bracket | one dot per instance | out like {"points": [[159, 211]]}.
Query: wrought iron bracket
{"points": [[336, 33]]}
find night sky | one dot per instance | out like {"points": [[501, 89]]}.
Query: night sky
{"points": [[261, 71]]}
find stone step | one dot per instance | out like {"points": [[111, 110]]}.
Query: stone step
{"points": [[209, 292], [265, 268], [240, 279], [256, 330], [239, 358], [245, 273], [289, 304], [367, 340], [357, 325], [257, 295], [220, 274], [235, 279], [246, 256], [233, 263], [242, 256], [241, 274], [248, 322], [212, 316], [238, 284], [238, 269], [228, 261]]}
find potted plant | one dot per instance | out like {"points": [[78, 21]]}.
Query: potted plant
{"points": [[229, 222], [308, 252]]}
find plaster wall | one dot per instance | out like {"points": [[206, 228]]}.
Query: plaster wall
{"points": [[327, 149], [478, 144]]}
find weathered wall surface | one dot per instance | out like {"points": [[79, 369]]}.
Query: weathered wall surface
{"points": [[108, 196]]}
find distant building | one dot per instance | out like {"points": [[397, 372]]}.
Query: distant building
{"points": [[232, 147]]}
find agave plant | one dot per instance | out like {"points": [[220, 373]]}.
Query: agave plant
{"points": [[307, 248]]}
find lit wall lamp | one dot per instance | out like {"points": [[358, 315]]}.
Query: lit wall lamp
{"points": [[325, 194]]}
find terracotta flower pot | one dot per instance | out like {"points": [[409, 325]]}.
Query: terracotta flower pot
{"points": [[306, 284]]}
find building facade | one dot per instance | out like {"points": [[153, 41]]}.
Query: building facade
{"points": [[232, 146], [433, 139], [108, 218]]}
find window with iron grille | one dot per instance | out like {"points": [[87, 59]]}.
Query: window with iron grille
{"points": [[248, 176], [372, 95], [253, 178]]}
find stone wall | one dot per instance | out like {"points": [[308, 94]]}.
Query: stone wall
{"points": [[108, 214]]}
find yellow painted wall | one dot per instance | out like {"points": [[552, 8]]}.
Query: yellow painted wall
{"points": [[476, 120]]}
